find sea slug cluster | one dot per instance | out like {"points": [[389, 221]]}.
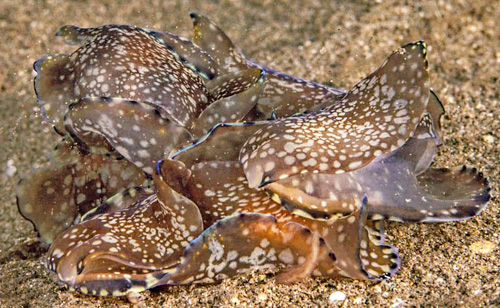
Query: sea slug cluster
{"points": [[182, 161]]}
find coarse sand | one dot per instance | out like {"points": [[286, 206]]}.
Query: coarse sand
{"points": [[334, 42]]}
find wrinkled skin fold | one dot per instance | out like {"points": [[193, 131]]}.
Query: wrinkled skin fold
{"points": [[184, 162]]}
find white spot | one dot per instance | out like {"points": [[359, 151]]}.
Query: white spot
{"points": [[269, 166], [264, 243], [286, 256], [209, 193]]}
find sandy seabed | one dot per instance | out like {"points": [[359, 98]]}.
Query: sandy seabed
{"points": [[335, 42]]}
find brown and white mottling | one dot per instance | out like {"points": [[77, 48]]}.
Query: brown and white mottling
{"points": [[377, 116], [119, 61], [220, 190], [128, 250]]}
